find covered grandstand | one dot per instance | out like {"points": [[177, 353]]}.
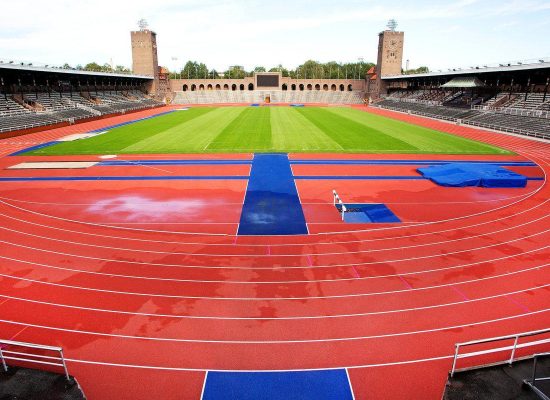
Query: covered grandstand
{"points": [[33, 97], [512, 98]]}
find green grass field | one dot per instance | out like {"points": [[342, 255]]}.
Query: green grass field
{"points": [[270, 129]]}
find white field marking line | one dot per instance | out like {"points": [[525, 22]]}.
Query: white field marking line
{"points": [[142, 165], [290, 318], [242, 205], [487, 235], [283, 244], [245, 370], [463, 266], [307, 204], [344, 339], [298, 193], [343, 296], [285, 267], [316, 234], [324, 233], [414, 224], [204, 385], [350, 386]]}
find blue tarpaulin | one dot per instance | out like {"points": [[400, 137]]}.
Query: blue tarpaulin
{"points": [[291, 385], [368, 213], [466, 174]]}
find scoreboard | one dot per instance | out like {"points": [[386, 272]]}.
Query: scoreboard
{"points": [[268, 80]]}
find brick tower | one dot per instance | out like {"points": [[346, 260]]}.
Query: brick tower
{"points": [[144, 56], [390, 55]]}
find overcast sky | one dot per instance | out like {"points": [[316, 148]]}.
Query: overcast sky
{"points": [[438, 34]]}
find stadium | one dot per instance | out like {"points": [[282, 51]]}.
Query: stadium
{"points": [[341, 232]]}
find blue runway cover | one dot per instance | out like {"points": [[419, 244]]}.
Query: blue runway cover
{"points": [[469, 174]]}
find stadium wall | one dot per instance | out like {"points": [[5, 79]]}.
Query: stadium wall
{"points": [[248, 83]]}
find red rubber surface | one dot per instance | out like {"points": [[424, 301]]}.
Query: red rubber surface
{"points": [[145, 286]]}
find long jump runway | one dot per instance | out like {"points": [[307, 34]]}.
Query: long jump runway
{"points": [[142, 272]]}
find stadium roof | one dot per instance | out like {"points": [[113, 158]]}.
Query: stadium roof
{"points": [[540, 64], [37, 68], [464, 82]]}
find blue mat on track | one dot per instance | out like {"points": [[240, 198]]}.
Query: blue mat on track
{"points": [[299, 385], [368, 213], [272, 205], [466, 174]]}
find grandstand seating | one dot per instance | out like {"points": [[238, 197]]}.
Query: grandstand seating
{"points": [[527, 124], [259, 96], [46, 108]]}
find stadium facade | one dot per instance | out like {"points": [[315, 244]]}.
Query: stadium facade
{"points": [[33, 97]]}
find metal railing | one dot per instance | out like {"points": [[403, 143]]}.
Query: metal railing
{"points": [[522, 112], [532, 384], [337, 199], [29, 357], [513, 348], [467, 122]]}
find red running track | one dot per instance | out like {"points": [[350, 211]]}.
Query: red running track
{"points": [[145, 300]]}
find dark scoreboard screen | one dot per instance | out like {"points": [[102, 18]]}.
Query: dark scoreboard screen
{"points": [[267, 80]]}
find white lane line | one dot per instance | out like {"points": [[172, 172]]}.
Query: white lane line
{"points": [[304, 317], [421, 360], [269, 342], [261, 255], [320, 234], [445, 254], [369, 277], [366, 240], [350, 385], [141, 294], [204, 385]]}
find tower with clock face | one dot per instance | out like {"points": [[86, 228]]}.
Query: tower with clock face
{"points": [[390, 56]]}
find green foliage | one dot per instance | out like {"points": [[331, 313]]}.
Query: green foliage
{"points": [[308, 70], [419, 70]]}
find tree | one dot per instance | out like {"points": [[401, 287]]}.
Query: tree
{"points": [[122, 68], [259, 69], [93, 66], [419, 70], [281, 69]]}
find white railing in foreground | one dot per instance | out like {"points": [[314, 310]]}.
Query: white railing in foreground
{"points": [[533, 382], [513, 347], [336, 199], [28, 357]]}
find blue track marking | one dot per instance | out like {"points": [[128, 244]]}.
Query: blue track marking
{"points": [[300, 385], [199, 177], [377, 178], [361, 177], [271, 205], [118, 163], [106, 128], [411, 162], [121, 178], [38, 146], [17, 153], [368, 213]]}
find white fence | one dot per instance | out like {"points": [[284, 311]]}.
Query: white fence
{"points": [[20, 352], [512, 348]]}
